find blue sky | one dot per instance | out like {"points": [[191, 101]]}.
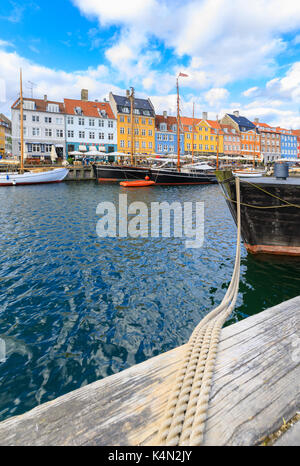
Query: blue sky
{"points": [[237, 55]]}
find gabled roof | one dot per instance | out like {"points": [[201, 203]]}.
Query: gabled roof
{"points": [[89, 108], [170, 120], [40, 104], [143, 105], [229, 130], [242, 121]]}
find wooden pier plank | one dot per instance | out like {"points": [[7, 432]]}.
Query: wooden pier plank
{"points": [[256, 384]]}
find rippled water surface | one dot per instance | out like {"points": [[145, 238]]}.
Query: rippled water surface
{"points": [[75, 308]]}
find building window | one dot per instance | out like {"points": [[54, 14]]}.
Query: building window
{"points": [[136, 131], [165, 137], [160, 147], [48, 120], [91, 122], [48, 132], [70, 120], [110, 136], [81, 121], [143, 144], [101, 123], [35, 118], [143, 121], [59, 133], [70, 134], [150, 132], [200, 146], [101, 135], [143, 132], [150, 145], [92, 135], [81, 135], [122, 143], [188, 146], [59, 121], [122, 130], [136, 120], [35, 131], [110, 124], [159, 137], [122, 118], [165, 148]]}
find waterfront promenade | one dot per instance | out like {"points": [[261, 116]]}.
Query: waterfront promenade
{"points": [[256, 389]]}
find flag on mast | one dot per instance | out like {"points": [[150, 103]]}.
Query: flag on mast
{"points": [[184, 75]]}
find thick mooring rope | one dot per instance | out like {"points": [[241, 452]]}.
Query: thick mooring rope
{"points": [[184, 420]]}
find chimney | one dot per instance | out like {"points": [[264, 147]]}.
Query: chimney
{"points": [[256, 120], [236, 113], [45, 98], [84, 94], [165, 114], [204, 115]]}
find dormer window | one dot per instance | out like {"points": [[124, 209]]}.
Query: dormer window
{"points": [[146, 112], [78, 110], [29, 105], [174, 127], [136, 111], [125, 109], [53, 108], [163, 127]]}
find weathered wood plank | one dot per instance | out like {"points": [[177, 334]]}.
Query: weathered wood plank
{"points": [[291, 438], [256, 383]]}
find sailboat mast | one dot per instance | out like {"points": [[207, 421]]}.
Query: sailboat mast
{"points": [[21, 124], [254, 137], [193, 132], [178, 127], [132, 124]]}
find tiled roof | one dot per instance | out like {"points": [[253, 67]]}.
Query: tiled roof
{"points": [[88, 107], [140, 104], [40, 104], [242, 121], [170, 120]]}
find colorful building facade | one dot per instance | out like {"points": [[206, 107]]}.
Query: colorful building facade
{"points": [[166, 135], [231, 141], [205, 139], [90, 124], [5, 136], [269, 141], [144, 124], [288, 143]]}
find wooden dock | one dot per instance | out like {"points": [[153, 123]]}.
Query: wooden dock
{"points": [[256, 388]]}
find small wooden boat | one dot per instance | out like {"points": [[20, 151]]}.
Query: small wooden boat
{"points": [[33, 177], [137, 183]]}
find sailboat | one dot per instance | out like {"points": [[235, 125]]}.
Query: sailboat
{"points": [[23, 177], [167, 173]]}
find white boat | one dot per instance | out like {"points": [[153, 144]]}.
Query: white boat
{"points": [[33, 177], [36, 176], [248, 173]]}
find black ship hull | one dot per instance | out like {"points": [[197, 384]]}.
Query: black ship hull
{"points": [[106, 173], [266, 226]]}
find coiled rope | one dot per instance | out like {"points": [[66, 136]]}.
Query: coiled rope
{"points": [[184, 420]]}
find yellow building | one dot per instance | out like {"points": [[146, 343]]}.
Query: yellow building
{"points": [[5, 135], [205, 139], [144, 124]]}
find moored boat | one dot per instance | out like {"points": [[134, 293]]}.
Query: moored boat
{"points": [[33, 177], [270, 212]]}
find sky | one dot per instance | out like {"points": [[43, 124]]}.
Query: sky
{"points": [[238, 55]]}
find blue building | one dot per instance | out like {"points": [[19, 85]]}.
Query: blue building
{"points": [[166, 135], [288, 144]]}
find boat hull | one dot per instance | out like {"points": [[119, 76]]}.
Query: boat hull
{"points": [[50, 176], [105, 173], [270, 229]]}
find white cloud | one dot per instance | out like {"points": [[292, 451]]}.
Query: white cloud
{"points": [[57, 84], [216, 95]]}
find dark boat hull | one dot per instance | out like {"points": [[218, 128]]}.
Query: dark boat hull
{"points": [[159, 176], [270, 229]]}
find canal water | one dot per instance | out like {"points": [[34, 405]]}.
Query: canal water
{"points": [[75, 307]]}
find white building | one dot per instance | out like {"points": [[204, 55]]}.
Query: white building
{"points": [[89, 124], [44, 126]]}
